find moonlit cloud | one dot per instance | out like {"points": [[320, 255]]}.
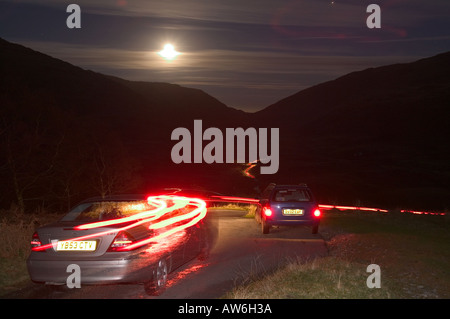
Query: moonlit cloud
{"points": [[248, 54], [221, 73], [284, 12]]}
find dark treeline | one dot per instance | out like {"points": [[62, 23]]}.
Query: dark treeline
{"points": [[51, 159]]}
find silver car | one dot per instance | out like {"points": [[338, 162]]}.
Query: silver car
{"points": [[121, 239]]}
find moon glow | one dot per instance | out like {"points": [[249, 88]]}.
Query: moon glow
{"points": [[169, 52]]}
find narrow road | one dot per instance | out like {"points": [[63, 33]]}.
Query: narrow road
{"points": [[241, 253]]}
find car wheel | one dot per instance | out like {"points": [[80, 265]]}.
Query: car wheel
{"points": [[265, 227], [159, 279]]}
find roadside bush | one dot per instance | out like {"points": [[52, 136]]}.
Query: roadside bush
{"points": [[16, 229]]}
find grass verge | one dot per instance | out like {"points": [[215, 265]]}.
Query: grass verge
{"points": [[413, 253], [250, 209], [16, 229]]}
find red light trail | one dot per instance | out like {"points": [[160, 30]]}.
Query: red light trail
{"points": [[235, 199], [146, 216], [353, 208], [244, 200], [247, 170], [190, 211], [421, 212]]}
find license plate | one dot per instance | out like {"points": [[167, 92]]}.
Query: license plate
{"points": [[289, 211], [75, 245]]}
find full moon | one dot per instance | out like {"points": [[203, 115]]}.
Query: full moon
{"points": [[169, 52]]}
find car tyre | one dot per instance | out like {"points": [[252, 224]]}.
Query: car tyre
{"points": [[157, 284], [265, 227]]}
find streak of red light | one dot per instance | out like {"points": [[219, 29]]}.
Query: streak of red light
{"points": [[247, 170], [323, 206], [167, 204], [235, 199], [353, 208]]}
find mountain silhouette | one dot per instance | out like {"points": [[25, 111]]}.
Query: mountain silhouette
{"points": [[68, 119], [380, 134], [85, 92], [374, 137]]}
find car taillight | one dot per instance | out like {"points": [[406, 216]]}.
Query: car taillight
{"points": [[35, 241], [122, 240], [317, 213], [267, 211]]}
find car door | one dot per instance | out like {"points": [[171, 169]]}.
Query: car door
{"points": [[193, 242]]}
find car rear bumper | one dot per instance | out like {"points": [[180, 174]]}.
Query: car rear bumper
{"points": [[304, 222], [91, 272]]}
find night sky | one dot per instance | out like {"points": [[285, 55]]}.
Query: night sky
{"points": [[247, 53]]}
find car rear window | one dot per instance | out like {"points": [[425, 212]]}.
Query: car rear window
{"points": [[106, 210], [292, 195]]}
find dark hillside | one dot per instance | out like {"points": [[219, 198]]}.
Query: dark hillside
{"points": [[380, 134], [67, 133], [373, 137]]}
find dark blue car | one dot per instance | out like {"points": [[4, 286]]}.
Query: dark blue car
{"points": [[288, 205]]}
